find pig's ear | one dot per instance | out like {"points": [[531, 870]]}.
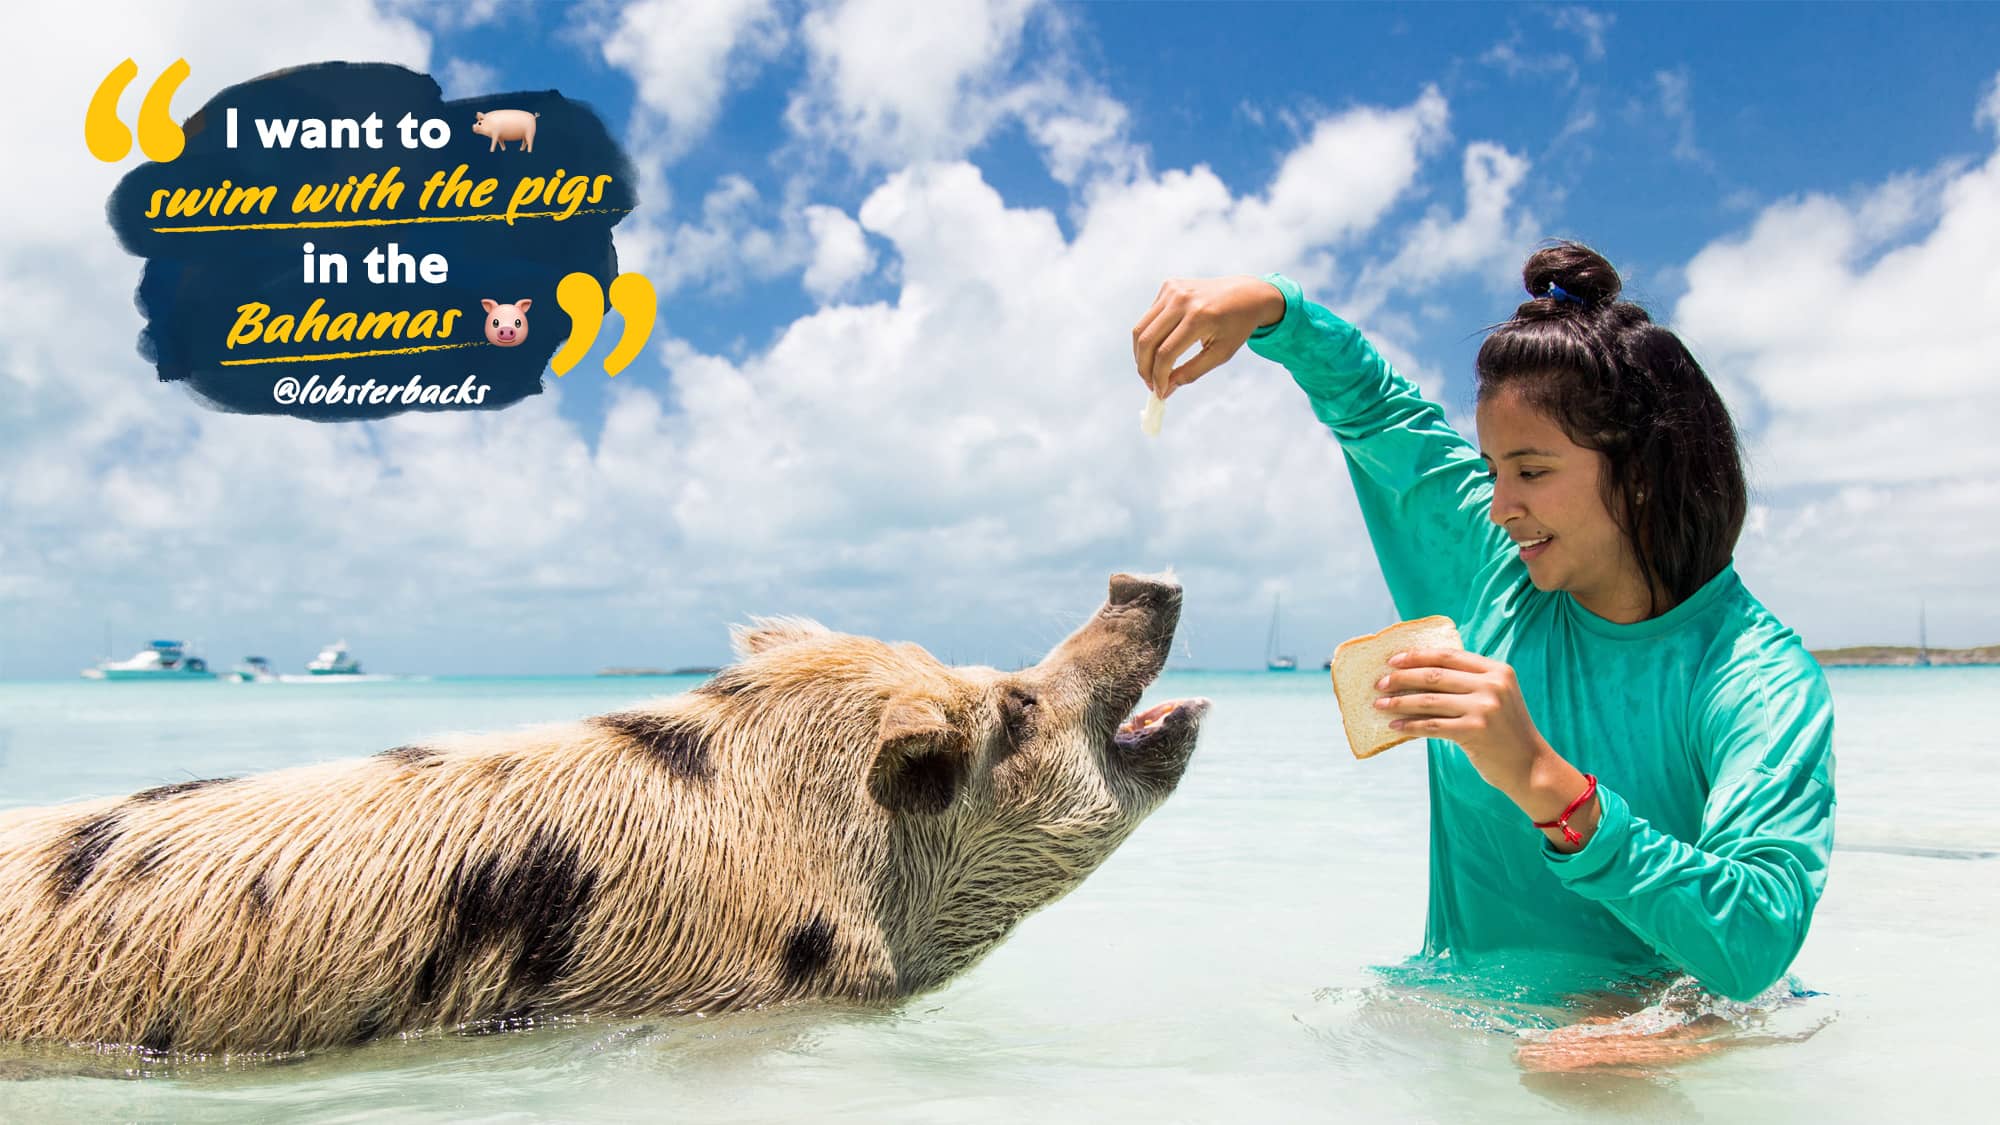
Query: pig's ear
{"points": [[766, 633], [523, 304], [921, 760], [488, 303]]}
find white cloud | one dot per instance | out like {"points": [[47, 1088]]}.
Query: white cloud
{"points": [[892, 82], [1489, 236], [1588, 25], [1989, 110], [840, 252], [1851, 564], [464, 78], [1676, 105], [459, 15], [1508, 56], [738, 236], [1373, 154], [683, 53], [1826, 316], [1582, 119], [1854, 338], [1081, 130]]}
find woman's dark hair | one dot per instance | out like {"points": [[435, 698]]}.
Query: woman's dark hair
{"points": [[1627, 388]]}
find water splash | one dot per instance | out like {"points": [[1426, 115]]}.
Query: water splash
{"points": [[1693, 1018], [1554, 1013]]}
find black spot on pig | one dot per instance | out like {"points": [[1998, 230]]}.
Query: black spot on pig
{"points": [[672, 742], [80, 850], [411, 755], [533, 903], [808, 950]]}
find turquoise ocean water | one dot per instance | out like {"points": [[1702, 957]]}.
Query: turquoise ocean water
{"points": [[1218, 967]]}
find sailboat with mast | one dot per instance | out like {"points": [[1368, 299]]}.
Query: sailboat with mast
{"points": [[1923, 640], [1275, 661]]}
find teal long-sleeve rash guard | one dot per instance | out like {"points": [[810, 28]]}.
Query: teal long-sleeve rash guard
{"points": [[1709, 728]]}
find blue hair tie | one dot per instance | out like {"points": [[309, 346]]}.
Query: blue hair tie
{"points": [[1558, 293]]}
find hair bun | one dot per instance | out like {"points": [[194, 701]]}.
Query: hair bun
{"points": [[1582, 274]]}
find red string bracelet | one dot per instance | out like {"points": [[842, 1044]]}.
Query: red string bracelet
{"points": [[1571, 835]]}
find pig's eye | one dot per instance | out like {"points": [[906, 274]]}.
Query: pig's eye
{"points": [[517, 322], [496, 322], [1017, 715]]}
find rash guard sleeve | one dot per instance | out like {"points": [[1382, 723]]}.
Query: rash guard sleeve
{"points": [[1732, 907], [1422, 488]]}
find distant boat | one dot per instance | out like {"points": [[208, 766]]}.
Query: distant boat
{"points": [[254, 670], [335, 665], [334, 660], [1274, 661], [162, 660], [1923, 640]]}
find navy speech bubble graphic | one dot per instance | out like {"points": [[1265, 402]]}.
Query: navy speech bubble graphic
{"points": [[238, 309]]}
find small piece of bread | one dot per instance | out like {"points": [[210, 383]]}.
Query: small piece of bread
{"points": [[1358, 663]]}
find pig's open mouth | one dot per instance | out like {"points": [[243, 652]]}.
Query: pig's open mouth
{"points": [[1174, 721]]}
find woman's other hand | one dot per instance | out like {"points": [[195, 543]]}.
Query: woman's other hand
{"points": [[1219, 313], [1476, 702]]}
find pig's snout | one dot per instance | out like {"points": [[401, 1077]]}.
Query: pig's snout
{"points": [[1147, 593], [1130, 589], [1146, 609]]}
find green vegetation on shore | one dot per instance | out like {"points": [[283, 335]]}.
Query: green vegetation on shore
{"points": [[1905, 655]]}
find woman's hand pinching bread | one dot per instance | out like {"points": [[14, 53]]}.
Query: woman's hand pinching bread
{"points": [[1219, 313], [1474, 701]]}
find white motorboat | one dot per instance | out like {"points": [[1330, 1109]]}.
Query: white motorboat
{"points": [[162, 660], [334, 660], [254, 670], [335, 665]]}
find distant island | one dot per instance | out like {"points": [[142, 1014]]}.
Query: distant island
{"points": [[691, 670], [1905, 656]]}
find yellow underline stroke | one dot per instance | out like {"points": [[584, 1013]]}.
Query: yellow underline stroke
{"points": [[350, 355], [325, 223]]}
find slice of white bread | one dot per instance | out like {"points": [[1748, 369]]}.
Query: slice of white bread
{"points": [[1358, 663]]}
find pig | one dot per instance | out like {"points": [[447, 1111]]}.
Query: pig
{"points": [[505, 125], [506, 325], [830, 818]]}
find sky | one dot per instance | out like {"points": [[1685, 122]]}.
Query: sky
{"points": [[899, 250]]}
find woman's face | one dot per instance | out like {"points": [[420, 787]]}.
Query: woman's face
{"points": [[1548, 490]]}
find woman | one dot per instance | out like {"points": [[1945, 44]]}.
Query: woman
{"points": [[1633, 757]]}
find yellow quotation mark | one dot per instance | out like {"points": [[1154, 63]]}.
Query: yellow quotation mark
{"points": [[582, 298], [159, 137]]}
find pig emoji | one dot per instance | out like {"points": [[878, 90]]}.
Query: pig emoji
{"points": [[505, 125], [506, 325], [832, 818]]}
